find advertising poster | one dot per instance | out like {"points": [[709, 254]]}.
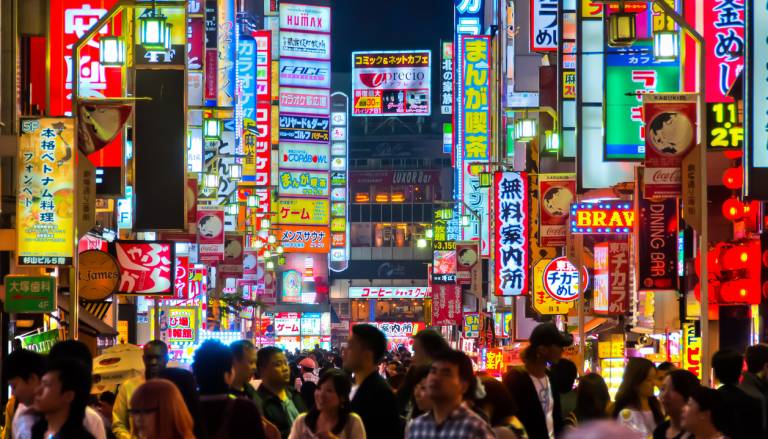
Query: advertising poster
{"points": [[304, 101], [303, 156], [296, 128], [557, 192], [446, 305], [210, 233], [287, 323], [300, 211], [178, 325], [657, 244], [303, 183], [511, 210], [391, 83], [304, 239], [670, 132], [195, 42], [304, 278], [561, 281], [611, 295], [471, 325], [45, 192], [146, 267], [234, 253]]}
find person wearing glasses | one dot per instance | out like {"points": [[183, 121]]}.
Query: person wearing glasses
{"points": [[531, 387], [158, 411]]}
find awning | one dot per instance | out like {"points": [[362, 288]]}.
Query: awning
{"points": [[597, 324], [90, 323], [98, 309]]}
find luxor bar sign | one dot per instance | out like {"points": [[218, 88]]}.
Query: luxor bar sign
{"points": [[602, 217]]}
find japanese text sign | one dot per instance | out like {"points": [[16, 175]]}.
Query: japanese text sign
{"points": [[146, 267], [304, 239], [295, 128], [301, 211], [305, 45], [45, 196], [611, 278], [388, 292], [181, 325], [398, 329], [30, 294], [543, 303], [446, 78], [475, 97], [691, 349], [471, 325], [494, 361], [544, 26], [305, 17], [303, 183], [446, 305], [287, 323], [391, 83], [511, 210], [181, 282], [561, 280], [605, 217], [723, 23], [304, 101]]}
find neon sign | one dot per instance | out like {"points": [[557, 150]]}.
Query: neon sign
{"points": [[602, 218]]}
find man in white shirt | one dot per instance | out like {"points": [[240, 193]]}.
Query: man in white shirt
{"points": [[23, 370]]}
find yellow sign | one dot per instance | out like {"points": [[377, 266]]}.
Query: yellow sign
{"points": [[45, 195], [122, 331], [302, 211], [178, 324], [543, 303], [367, 102], [691, 349]]}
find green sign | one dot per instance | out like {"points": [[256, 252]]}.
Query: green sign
{"points": [[30, 294], [42, 342], [631, 72]]}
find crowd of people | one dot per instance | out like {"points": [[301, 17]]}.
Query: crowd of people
{"points": [[239, 391]]}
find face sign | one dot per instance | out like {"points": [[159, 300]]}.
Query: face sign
{"points": [[210, 226], [444, 383], [49, 398]]}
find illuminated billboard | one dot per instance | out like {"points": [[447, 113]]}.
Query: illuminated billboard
{"points": [[392, 83]]}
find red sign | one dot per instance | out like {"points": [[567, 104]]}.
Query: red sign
{"points": [[182, 278], [670, 133], [723, 23], [605, 217], [557, 192], [210, 233], [211, 72], [191, 199], [146, 267], [611, 278], [195, 43], [446, 305]]}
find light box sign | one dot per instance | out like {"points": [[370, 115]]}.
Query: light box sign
{"points": [[724, 132], [303, 156], [542, 302], [301, 211], [304, 239], [305, 73], [304, 277], [296, 128], [45, 192], [287, 323], [691, 349], [446, 305], [475, 97], [227, 51], [301, 17], [756, 96], [630, 73], [246, 77], [391, 83], [561, 280], [305, 45], [178, 325], [304, 101], [388, 292], [557, 192], [607, 217], [398, 330], [446, 78], [210, 233], [303, 183], [723, 23], [611, 278], [146, 267], [477, 199], [511, 211], [657, 245], [544, 26]]}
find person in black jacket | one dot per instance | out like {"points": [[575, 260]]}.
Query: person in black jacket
{"points": [[371, 396], [530, 386], [280, 403], [744, 418]]}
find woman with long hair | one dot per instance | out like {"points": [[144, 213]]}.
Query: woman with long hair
{"points": [[592, 400], [331, 417], [159, 412], [500, 409], [636, 406], [676, 388]]}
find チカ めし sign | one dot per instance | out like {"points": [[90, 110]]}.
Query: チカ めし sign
{"points": [[30, 294], [607, 217], [561, 280]]}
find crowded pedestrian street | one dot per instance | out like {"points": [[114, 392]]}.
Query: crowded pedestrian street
{"points": [[412, 219]]}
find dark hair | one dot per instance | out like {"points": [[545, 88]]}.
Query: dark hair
{"points": [[498, 398], [635, 373], [592, 398], [76, 378], [710, 400], [372, 339], [413, 376], [239, 347], [185, 382], [563, 374], [342, 385], [464, 364], [666, 366], [757, 357], [432, 342], [72, 349], [264, 356], [23, 363], [159, 343], [108, 397], [212, 360], [727, 364], [684, 382]]}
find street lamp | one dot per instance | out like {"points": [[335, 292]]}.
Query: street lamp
{"points": [[486, 179], [525, 130], [210, 181], [429, 233], [153, 29], [272, 239], [232, 209], [421, 243], [465, 220], [111, 51], [621, 28], [252, 201], [552, 141], [212, 128], [235, 171], [665, 45], [270, 265]]}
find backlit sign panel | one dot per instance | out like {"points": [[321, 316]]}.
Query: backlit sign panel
{"points": [[305, 45], [301, 211], [391, 83], [511, 210], [606, 217], [305, 73], [303, 183], [304, 101], [303, 156], [388, 292]]}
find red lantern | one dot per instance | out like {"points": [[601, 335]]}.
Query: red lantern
{"points": [[736, 258], [733, 154], [733, 209], [733, 178]]}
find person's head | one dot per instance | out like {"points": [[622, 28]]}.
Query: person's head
{"points": [[678, 386], [704, 412], [727, 364], [365, 348], [159, 412], [497, 403], [426, 344], [757, 359], [638, 384], [245, 361], [273, 367], [155, 358], [393, 368], [106, 403], [72, 349], [451, 378], [332, 393], [212, 367], [592, 397], [22, 370], [420, 394], [563, 375], [64, 389], [546, 344], [662, 370], [307, 365]]}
